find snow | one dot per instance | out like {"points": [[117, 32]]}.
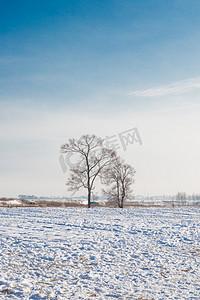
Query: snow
{"points": [[13, 202], [99, 253]]}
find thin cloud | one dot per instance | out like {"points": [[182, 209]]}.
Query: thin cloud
{"points": [[175, 88]]}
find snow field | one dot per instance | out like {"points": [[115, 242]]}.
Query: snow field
{"points": [[99, 253]]}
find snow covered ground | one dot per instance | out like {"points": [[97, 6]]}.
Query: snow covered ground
{"points": [[99, 253]]}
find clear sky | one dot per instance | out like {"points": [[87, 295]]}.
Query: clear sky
{"points": [[74, 67]]}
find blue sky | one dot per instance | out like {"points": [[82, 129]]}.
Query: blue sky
{"points": [[73, 67]]}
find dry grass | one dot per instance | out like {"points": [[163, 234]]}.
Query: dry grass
{"points": [[7, 202], [5, 199]]}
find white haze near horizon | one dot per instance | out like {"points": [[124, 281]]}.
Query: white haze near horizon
{"points": [[166, 162]]}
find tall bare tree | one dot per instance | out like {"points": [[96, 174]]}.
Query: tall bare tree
{"points": [[92, 158], [119, 176]]}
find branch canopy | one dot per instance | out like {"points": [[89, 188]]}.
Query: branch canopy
{"points": [[119, 176], [91, 159]]}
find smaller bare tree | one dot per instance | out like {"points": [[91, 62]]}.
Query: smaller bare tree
{"points": [[120, 177]]}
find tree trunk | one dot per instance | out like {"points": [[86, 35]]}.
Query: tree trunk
{"points": [[123, 195], [89, 197], [118, 194], [122, 202]]}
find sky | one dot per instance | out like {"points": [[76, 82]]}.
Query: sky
{"points": [[69, 68]]}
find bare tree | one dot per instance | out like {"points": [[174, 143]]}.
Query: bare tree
{"points": [[92, 158], [119, 176]]}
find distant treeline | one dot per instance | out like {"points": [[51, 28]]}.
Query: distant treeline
{"points": [[184, 196]]}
